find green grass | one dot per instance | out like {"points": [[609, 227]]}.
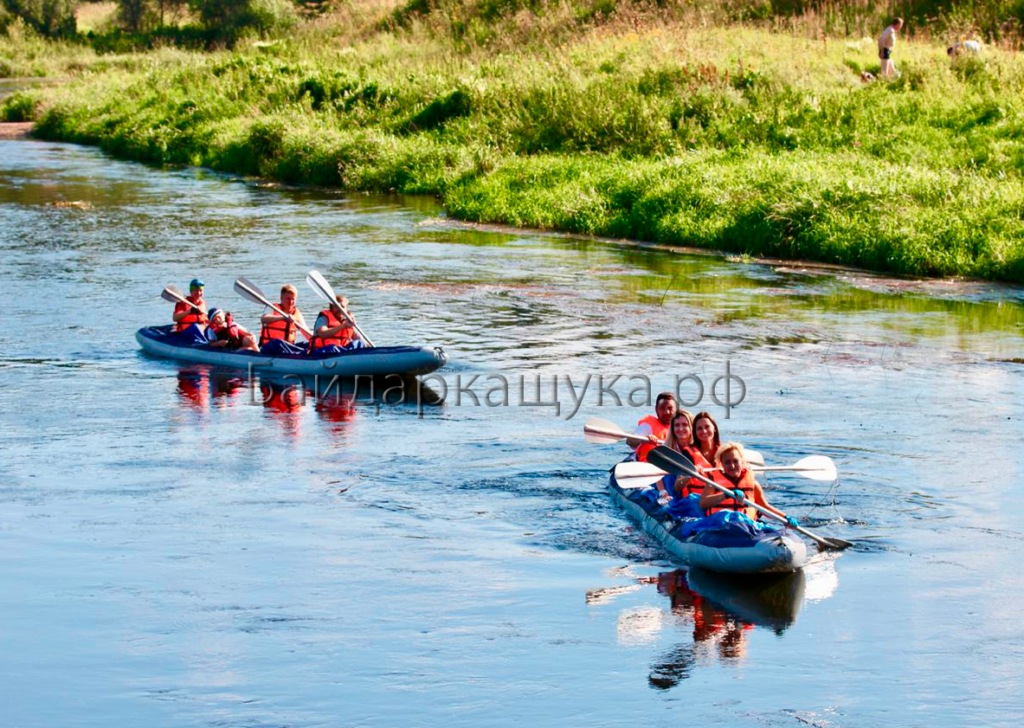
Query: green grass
{"points": [[732, 138]]}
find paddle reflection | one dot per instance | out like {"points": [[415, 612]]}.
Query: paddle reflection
{"points": [[723, 611]]}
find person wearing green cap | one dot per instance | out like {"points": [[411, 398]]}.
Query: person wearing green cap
{"points": [[194, 312]]}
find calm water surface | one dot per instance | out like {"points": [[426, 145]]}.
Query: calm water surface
{"points": [[182, 547]]}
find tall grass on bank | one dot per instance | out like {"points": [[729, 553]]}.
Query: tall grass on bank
{"points": [[731, 138]]}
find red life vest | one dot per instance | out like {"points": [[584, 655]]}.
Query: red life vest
{"points": [[745, 483], [283, 329], [193, 316], [341, 339], [685, 488], [230, 332], [659, 430]]}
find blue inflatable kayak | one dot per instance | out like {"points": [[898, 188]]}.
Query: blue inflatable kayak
{"points": [[725, 542], [376, 361]]}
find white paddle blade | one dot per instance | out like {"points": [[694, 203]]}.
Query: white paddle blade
{"points": [[754, 457], [320, 285], [817, 467], [601, 437], [168, 294], [637, 475], [251, 286], [249, 292], [602, 431]]}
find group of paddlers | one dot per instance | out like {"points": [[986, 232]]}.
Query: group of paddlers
{"points": [[333, 332], [697, 437]]}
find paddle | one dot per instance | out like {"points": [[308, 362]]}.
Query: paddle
{"points": [[815, 467], [673, 462], [248, 290], [323, 289], [638, 475], [604, 432], [173, 295]]}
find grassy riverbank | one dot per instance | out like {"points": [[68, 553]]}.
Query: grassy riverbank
{"points": [[733, 138]]}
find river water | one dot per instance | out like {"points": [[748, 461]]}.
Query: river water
{"points": [[182, 547]]}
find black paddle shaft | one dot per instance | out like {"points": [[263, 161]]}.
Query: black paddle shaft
{"points": [[675, 462]]}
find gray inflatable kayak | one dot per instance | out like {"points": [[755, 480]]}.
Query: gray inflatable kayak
{"points": [[376, 362]]}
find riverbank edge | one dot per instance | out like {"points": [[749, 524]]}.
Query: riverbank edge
{"points": [[856, 276], [16, 129]]}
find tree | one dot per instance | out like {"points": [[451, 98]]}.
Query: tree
{"points": [[52, 18], [231, 16]]}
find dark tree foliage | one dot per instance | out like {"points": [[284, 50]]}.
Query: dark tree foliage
{"points": [[52, 18]]}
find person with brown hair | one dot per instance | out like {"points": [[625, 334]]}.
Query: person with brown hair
{"points": [[706, 436], [886, 43], [652, 430], [680, 439]]}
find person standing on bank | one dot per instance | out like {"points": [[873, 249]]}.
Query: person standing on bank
{"points": [[886, 42]]}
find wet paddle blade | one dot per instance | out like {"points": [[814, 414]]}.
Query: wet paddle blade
{"points": [[320, 285], [171, 294], [250, 292], [753, 457], [815, 467], [637, 475], [602, 431], [672, 462]]}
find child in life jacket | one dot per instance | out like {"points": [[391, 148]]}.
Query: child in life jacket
{"points": [[225, 333]]}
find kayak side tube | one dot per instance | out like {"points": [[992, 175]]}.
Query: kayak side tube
{"points": [[776, 552], [377, 361]]}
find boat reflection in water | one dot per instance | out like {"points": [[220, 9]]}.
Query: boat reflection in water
{"points": [[723, 610], [285, 397], [201, 387]]}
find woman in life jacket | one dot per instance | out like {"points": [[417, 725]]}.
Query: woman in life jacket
{"points": [[226, 334], [652, 430], [333, 331], [276, 327], [681, 439], [186, 315], [705, 435], [735, 476]]}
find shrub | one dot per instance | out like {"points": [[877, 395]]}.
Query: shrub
{"points": [[52, 18]]}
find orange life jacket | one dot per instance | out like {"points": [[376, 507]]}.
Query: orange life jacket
{"points": [[745, 483], [283, 329], [341, 339], [685, 488], [659, 430], [193, 316]]}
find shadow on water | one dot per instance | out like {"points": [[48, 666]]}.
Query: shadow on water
{"points": [[722, 610]]}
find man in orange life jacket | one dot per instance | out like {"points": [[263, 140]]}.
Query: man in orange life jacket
{"points": [[652, 430], [334, 330], [278, 332], [186, 315], [226, 334], [735, 476]]}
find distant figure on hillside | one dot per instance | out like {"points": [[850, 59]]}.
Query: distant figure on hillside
{"points": [[970, 47], [886, 42]]}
